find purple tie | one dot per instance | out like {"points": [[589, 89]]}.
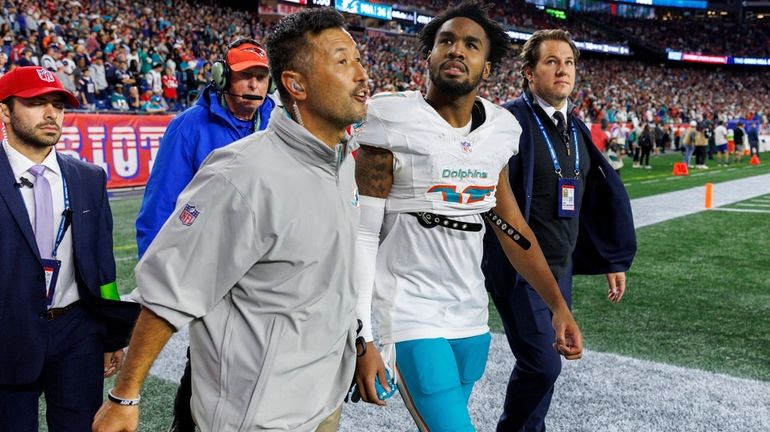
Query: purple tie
{"points": [[43, 212]]}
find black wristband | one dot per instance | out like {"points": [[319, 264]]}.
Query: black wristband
{"points": [[506, 228], [121, 401]]}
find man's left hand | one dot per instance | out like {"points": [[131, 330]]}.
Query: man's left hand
{"points": [[616, 286], [113, 361]]}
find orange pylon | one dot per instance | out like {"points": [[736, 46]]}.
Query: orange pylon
{"points": [[709, 195], [754, 160]]}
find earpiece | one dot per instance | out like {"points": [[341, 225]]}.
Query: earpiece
{"points": [[296, 87]]}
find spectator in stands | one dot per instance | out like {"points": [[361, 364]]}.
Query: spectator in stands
{"points": [[26, 58], [49, 59], [134, 101], [87, 90], [233, 106], [153, 78], [99, 75], [66, 79], [170, 85], [3, 63], [117, 100], [155, 104]]}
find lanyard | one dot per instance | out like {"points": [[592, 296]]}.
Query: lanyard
{"points": [[64, 221], [554, 159]]}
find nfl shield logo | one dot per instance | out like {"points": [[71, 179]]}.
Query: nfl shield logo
{"points": [[188, 215], [45, 75], [467, 146]]}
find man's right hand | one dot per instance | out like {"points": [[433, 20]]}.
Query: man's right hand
{"points": [[368, 366], [112, 417]]}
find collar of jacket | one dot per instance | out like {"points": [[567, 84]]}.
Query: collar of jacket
{"points": [[306, 147], [210, 101]]}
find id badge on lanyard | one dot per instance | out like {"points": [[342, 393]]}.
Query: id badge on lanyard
{"points": [[51, 269], [51, 266], [568, 187], [568, 192]]}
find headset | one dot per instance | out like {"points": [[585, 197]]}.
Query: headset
{"points": [[220, 71]]}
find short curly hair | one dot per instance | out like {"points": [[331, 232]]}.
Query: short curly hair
{"points": [[288, 46], [477, 11]]}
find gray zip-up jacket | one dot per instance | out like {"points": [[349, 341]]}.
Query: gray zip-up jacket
{"points": [[258, 256]]}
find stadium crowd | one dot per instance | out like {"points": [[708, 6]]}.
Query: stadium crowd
{"points": [[148, 57], [716, 36], [157, 56]]}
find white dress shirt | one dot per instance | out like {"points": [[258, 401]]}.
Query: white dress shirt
{"points": [[66, 286], [550, 110]]}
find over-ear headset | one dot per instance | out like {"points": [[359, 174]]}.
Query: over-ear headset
{"points": [[220, 71]]}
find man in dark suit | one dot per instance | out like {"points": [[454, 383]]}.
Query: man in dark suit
{"points": [[62, 326], [579, 211]]}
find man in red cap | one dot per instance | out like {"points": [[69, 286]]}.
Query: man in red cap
{"points": [[62, 325], [235, 104]]}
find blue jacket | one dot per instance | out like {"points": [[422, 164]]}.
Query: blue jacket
{"points": [[24, 333], [606, 241], [189, 139]]}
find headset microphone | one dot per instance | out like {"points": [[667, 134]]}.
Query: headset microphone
{"points": [[245, 96]]}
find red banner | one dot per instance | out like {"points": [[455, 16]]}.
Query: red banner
{"points": [[123, 145]]}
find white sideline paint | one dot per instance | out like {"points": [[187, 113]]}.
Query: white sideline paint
{"points": [[601, 392]]}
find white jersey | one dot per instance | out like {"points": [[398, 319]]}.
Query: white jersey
{"points": [[428, 282], [720, 135]]}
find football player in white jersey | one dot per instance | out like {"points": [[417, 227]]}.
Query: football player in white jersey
{"points": [[430, 170]]}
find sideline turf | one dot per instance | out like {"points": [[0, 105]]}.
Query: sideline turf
{"points": [[697, 296], [641, 182]]}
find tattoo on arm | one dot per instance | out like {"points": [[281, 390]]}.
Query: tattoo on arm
{"points": [[374, 171]]}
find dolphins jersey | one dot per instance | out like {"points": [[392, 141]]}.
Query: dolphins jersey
{"points": [[428, 281]]}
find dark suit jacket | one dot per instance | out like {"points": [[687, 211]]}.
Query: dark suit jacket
{"points": [[23, 335], [606, 241]]}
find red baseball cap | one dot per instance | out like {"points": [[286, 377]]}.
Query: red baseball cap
{"points": [[246, 55], [31, 81]]}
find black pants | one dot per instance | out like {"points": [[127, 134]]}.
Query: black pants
{"points": [[644, 159], [700, 155], [71, 379], [183, 421]]}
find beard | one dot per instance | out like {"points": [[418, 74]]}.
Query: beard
{"points": [[32, 137], [453, 88]]}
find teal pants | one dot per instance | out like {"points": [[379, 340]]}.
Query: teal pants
{"points": [[436, 378]]}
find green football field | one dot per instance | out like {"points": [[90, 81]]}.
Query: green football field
{"points": [[697, 293]]}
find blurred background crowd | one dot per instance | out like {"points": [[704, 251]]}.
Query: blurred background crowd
{"points": [[156, 55]]}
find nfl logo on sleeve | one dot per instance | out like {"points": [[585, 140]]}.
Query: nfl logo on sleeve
{"points": [[188, 215]]}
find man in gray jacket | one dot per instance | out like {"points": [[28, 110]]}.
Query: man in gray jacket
{"points": [[258, 255]]}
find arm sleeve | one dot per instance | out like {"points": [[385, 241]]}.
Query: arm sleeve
{"points": [[196, 260], [367, 244], [171, 172]]}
